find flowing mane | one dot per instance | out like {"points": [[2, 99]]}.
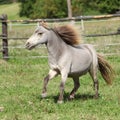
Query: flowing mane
{"points": [[68, 34]]}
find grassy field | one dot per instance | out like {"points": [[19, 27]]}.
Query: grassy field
{"points": [[21, 85], [21, 80], [12, 10]]}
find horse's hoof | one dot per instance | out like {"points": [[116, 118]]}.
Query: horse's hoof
{"points": [[43, 95], [71, 97], [59, 101], [96, 96]]}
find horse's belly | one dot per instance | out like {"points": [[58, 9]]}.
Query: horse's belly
{"points": [[81, 64], [79, 71]]}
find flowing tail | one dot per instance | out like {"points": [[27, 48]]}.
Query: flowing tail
{"points": [[105, 69]]}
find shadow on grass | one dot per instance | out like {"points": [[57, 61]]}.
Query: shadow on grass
{"points": [[66, 97]]}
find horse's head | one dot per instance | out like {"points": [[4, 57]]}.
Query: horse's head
{"points": [[38, 37]]}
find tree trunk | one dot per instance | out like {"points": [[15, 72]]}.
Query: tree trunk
{"points": [[69, 8]]}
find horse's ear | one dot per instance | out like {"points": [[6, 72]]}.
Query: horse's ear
{"points": [[43, 23]]}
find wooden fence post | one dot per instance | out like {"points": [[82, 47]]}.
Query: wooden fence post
{"points": [[4, 37]]}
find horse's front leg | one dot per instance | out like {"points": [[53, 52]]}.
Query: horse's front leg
{"points": [[62, 84], [52, 74]]}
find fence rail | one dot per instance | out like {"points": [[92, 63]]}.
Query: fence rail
{"points": [[91, 35], [4, 21], [78, 18]]}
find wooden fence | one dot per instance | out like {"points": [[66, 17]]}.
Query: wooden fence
{"points": [[5, 21], [4, 35]]}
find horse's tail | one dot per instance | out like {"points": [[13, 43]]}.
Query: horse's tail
{"points": [[105, 69]]}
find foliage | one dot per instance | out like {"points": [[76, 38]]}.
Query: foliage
{"points": [[58, 8], [86, 7], [7, 1], [55, 10], [41, 9], [108, 6], [27, 7]]}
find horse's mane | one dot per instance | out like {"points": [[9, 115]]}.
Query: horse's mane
{"points": [[68, 33]]}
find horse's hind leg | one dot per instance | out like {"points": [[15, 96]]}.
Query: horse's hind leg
{"points": [[52, 74], [76, 86], [93, 73]]}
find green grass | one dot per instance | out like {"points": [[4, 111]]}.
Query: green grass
{"points": [[21, 83], [21, 80], [12, 10]]}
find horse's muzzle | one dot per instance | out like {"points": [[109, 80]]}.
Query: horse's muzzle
{"points": [[28, 46]]}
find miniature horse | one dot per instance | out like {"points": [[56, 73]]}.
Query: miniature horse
{"points": [[69, 58]]}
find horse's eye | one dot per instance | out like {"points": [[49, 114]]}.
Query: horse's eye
{"points": [[40, 33]]}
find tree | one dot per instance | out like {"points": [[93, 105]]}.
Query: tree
{"points": [[69, 8], [58, 8], [43, 8], [26, 7], [108, 6], [87, 7]]}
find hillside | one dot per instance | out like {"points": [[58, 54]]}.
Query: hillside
{"points": [[12, 10]]}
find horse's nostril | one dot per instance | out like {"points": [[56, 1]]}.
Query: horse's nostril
{"points": [[27, 44]]}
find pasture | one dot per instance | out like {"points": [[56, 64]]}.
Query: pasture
{"points": [[21, 80], [9, 8]]}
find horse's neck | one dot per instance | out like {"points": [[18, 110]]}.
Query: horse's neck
{"points": [[55, 45]]}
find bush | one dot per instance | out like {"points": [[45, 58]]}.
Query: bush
{"points": [[58, 8], [43, 8]]}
